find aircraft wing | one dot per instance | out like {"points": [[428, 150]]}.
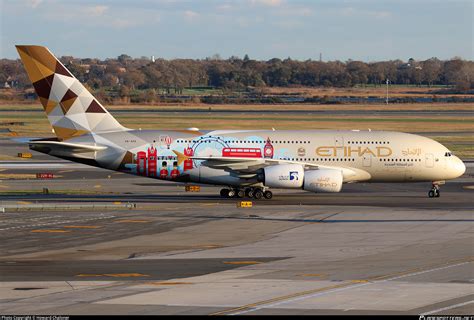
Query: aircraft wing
{"points": [[248, 167], [245, 165]]}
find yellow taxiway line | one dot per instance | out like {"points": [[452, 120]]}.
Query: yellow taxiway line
{"points": [[82, 227], [50, 231]]}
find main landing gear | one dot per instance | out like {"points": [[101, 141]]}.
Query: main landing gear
{"points": [[255, 193], [434, 191]]}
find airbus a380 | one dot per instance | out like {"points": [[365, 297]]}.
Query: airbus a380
{"points": [[247, 163]]}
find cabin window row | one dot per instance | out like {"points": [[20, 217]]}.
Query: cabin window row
{"points": [[246, 141], [290, 142], [319, 159], [368, 142], [399, 160], [281, 141]]}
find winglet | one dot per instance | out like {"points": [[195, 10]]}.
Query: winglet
{"points": [[181, 157]]}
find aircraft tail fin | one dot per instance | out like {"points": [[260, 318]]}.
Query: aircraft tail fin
{"points": [[70, 107]]}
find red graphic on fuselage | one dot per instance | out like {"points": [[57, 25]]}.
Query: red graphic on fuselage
{"points": [[152, 158], [168, 141], [268, 149], [175, 171], [164, 171], [242, 152], [141, 163], [188, 163]]}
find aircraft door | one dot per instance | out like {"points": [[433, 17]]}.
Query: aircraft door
{"points": [[429, 160], [367, 161], [339, 141]]}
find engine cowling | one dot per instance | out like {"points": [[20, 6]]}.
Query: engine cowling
{"points": [[284, 176], [323, 180]]}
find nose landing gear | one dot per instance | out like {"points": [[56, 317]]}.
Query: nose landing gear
{"points": [[434, 191]]}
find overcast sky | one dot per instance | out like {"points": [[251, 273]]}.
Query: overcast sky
{"points": [[301, 29]]}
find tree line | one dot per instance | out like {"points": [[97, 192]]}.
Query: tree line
{"points": [[125, 74]]}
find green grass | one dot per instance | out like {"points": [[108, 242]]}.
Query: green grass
{"points": [[202, 92]]}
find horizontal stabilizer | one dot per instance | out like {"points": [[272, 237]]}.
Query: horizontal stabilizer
{"points": [[66, 149], [67, 145]]}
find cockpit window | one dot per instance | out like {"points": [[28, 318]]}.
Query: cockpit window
{"points": [[448, 154]]}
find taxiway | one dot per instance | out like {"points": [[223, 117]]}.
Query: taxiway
{"points": [[373, 249]]}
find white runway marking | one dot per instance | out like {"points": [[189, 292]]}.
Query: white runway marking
{"points": [[447, 308], [29, 219], [345, 288]]}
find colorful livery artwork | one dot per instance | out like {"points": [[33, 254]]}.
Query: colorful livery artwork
{"points": [[242, 152]]}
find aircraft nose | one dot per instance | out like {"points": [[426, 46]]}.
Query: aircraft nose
{"points": [[459, 166]]}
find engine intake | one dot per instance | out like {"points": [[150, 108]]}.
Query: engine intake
{"points": [[284, 176]]}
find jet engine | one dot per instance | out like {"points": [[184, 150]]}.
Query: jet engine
{"points": [[323, 180], [283, 176]]}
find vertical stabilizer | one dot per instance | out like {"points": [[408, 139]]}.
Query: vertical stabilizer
{"points": [[70, 107]]}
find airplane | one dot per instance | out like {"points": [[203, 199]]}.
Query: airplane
{"points": [[247, 163]]}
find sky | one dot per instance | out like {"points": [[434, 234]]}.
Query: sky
{"points": [[366, 30]]}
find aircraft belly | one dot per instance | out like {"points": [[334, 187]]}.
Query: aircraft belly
{"points": [[389, 172], [218, 177]]}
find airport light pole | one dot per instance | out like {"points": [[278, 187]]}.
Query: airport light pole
{"points": [[386, 99]]}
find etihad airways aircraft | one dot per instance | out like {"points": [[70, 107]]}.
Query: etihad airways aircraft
{"points": [[247, 163]]}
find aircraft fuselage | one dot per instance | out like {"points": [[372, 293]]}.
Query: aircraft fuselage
{"points": [[375, 156]]}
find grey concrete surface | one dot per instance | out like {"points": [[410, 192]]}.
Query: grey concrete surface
{"points": [[372, 249]]}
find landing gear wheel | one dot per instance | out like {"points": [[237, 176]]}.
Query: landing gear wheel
{"points": [[224, 193], [268, 195], [249, 192], [434, 192], [231, 193], [258, 194], [240, 194]]}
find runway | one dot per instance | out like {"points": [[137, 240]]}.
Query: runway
{"points": [[372, 249]]}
